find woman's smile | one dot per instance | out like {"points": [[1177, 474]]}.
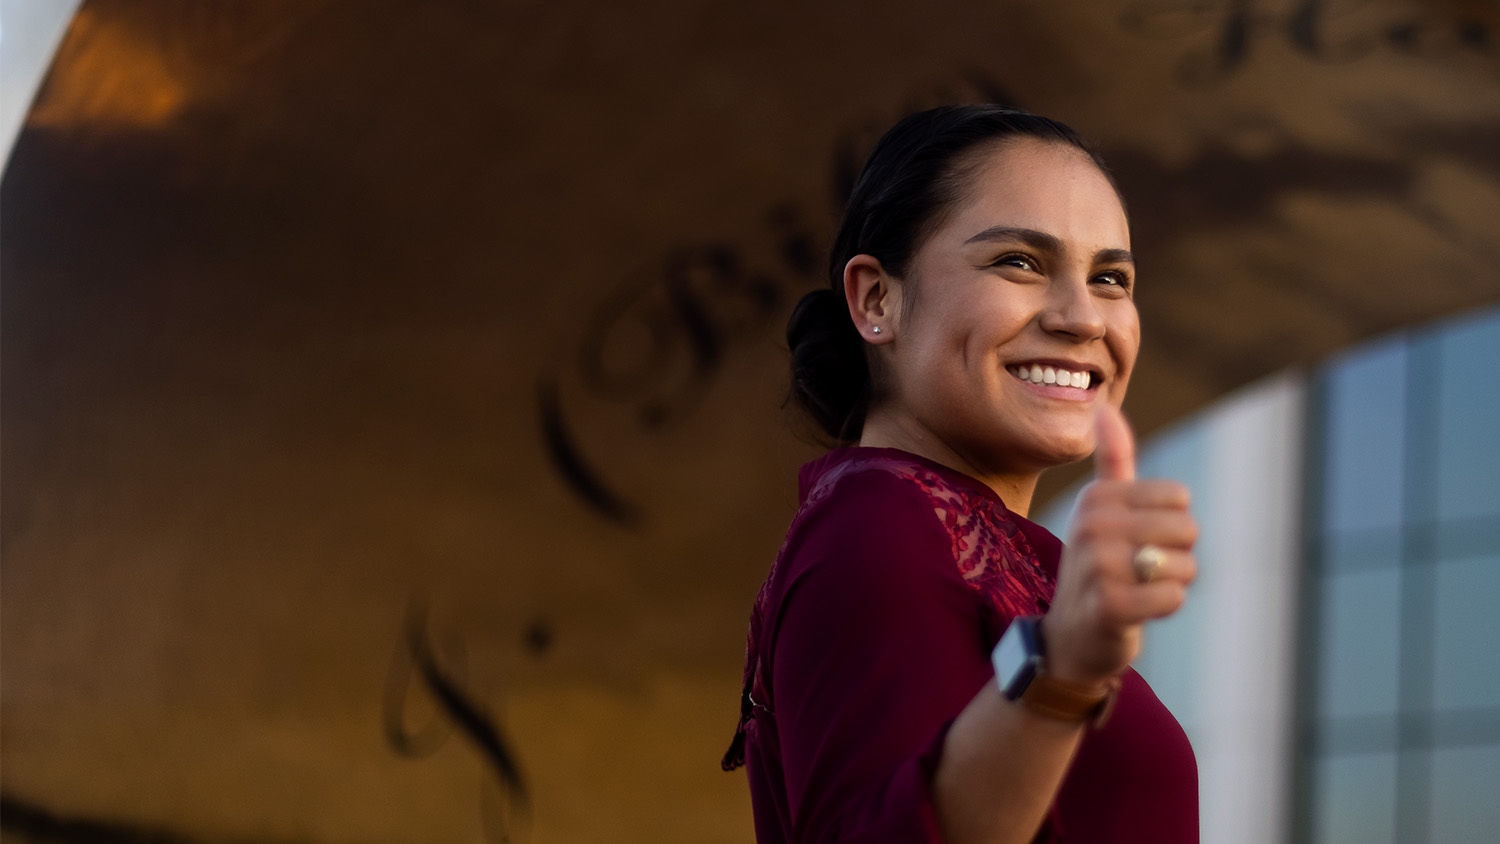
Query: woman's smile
{"points": [[1068, 381]]}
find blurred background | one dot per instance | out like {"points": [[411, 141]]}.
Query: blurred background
{"points": [[393, 395]]}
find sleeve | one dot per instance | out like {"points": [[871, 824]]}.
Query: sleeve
{"points": [[878, 645]]}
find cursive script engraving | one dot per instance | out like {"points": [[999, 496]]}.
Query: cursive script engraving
{"points": [[416, 661]]}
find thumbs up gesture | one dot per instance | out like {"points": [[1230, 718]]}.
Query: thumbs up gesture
{"points": [[1129, 559]]}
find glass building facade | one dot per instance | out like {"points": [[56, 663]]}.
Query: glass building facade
{"points": [[1338, 664], [1399, 699]]}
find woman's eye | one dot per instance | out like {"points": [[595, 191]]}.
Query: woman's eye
{"points": [[1114, 279], [1019, 261]]}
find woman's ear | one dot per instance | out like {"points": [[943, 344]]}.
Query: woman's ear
{"points": [[872, 297]]}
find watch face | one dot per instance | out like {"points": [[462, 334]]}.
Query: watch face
{"points": [[1016, 659]]}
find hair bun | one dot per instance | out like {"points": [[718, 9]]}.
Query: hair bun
{"points": [[830, 376]]}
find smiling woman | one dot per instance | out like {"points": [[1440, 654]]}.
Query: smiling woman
{"points": [[925, 663]]}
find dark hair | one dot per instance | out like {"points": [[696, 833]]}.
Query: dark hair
{"points": [[914, 175]]}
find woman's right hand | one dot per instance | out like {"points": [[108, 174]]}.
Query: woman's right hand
{"points": [[1093, 629]]}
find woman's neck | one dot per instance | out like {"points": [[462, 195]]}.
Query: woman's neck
{"points": [[1014, 488]]}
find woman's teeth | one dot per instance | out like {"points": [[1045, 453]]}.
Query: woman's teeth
{"points": [[1037, 374]]}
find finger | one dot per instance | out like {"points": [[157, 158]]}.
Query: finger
{"points": [[1157, 599], [1114, 445], [1165, 528], [1121, 530], [1116, 563], [1177, 566], [1125, 606], [1148, 494], [1157, 494]]}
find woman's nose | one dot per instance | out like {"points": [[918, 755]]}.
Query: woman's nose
{"points": [[1072, 311]]}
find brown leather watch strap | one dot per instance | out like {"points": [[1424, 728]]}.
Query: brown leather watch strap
{"points": [[1065, 701]]}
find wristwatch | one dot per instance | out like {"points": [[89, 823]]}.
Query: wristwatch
{"points": [[1021, 672]]}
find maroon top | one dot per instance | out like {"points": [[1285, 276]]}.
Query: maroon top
{"points": [[874, 630]]}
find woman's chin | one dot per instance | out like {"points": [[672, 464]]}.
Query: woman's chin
{"points": [[1062, 454]]}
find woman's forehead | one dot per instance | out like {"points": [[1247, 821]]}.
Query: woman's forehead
{"points": [[1041, 186]]}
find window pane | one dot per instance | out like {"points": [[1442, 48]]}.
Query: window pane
{"points": [[1468, 407], [1464, 807], [1466, 672], [1365, 421], [1377, 548], [1468, 538], [1354, 799], [1357, 643]]}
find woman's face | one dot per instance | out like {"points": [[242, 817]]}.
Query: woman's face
{"points": [[1029, 281]]}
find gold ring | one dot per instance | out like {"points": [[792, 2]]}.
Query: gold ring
{"points": [[1148, 562]]}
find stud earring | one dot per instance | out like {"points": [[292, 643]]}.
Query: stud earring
{"points": [[875, 330]]}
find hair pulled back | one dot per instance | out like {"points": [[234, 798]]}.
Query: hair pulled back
{"points": [[912, 179]]}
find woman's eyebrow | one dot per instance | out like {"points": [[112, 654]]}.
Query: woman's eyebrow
{"points": [[1040, 241], [1043, 242], [1114, 256]]}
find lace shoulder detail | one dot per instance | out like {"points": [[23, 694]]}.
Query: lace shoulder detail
{"points": [[989, 548], [991, 552]]}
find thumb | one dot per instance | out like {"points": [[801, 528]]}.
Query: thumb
{"points": [[1114, 445]]}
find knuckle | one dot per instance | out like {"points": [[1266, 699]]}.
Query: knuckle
{"points": [[1182, 529], [1173, 599], [1189, 569], [1190, 531], [1180, 494]]}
